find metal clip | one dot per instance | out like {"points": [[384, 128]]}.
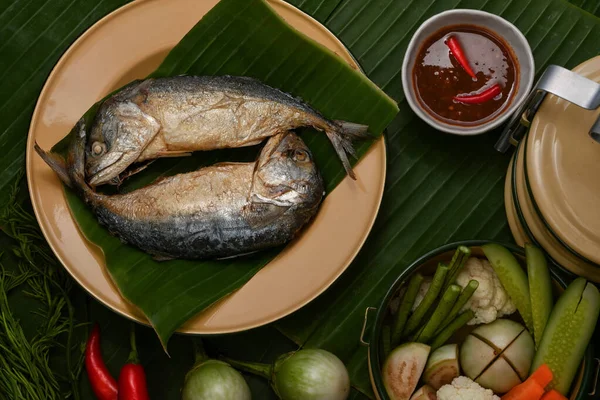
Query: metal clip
{"points": [[560, 82], [364, 327]]}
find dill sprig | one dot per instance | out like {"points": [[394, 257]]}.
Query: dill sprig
{"points": [[25, 363]]}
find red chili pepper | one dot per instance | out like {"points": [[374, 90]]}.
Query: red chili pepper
{"points": [[132, 379], [103, 383], [482, 97], [458, 53]]}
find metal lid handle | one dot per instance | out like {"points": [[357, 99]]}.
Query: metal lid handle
{"points": [[560, 82]]}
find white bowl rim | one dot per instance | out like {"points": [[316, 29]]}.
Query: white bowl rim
{"points": [[494, 123]]}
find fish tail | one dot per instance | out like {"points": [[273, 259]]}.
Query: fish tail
{"points": [[342, 137], [57, 163]]}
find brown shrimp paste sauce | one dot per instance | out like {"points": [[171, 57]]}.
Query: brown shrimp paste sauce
{"points": [[438, 76]]}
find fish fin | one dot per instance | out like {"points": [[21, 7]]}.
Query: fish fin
{"points": [[161, 258], [173, 153], [118, 180], [236, 255], [256, 198], [276, 210], [342, 138], [227, 163], [56, 162], [136, 93]]}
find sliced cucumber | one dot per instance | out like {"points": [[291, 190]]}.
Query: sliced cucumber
{"points": [[568, 331], [540, 290], [512, 277]]}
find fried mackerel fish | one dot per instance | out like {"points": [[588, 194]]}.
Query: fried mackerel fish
{"points": [[174, 116], [219, 211]]}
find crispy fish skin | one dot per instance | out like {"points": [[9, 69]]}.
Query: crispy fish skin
{"points": [[219, 211], [173, 116]]}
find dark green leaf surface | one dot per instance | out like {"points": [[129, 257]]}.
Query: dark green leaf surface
{"points": [[34, 33], [318, 9], [440, 188], [33, 36], [237, 37], [591, 6]]}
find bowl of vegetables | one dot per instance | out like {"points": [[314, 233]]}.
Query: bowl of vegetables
{"points": [[484, 320]]}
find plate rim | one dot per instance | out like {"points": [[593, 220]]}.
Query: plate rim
{"points": [[519, 206], [540, 214], [183, 329]]}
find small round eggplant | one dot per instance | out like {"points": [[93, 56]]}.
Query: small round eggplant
{"points": [[497, 355], [403, 368], [425, 392], [442, 366]]}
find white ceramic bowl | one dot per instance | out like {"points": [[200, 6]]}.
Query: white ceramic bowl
{"points": [[502, 28]]}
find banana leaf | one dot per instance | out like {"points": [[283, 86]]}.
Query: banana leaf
{"points": [[440, 188], [34, 33], [319, 9], [591, 6], [33, 36], [254, 42]]}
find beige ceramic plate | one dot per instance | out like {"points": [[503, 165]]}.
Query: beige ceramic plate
{"points": [[514, 224], [541, 234], [129, 44], [562, 168]]}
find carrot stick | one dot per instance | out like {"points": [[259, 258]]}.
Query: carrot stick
{"points": [[553, 395], [533, 387], [528, 390], [542, 375]]}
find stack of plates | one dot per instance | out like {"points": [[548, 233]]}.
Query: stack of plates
{"points": [[552, 188]]}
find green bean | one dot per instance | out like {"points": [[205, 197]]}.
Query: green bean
{"points": [[414, 336], [459, 259], [386, 334], [405, 306], [434, 290], [455, 325], [448, 300], [465, 295]]}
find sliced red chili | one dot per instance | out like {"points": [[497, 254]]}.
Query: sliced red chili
{"points": [[132, 379], [482, 97], [458, 53], [103, 384]]}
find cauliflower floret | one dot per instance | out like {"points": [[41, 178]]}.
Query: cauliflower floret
{"points": [[421, 293], [463, 388], [490, 300]]}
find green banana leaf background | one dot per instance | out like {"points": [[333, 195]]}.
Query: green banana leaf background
{"points": [[440, 188]]}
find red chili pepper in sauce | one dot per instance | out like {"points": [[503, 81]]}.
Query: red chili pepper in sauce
{"points": [[458, 53], [132, 379], [102, 382], [482, 97]]}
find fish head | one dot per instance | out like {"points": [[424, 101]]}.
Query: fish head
{"points": [[119, 134], [286, 173]]}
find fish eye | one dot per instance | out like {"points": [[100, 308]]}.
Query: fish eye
{"points": [[300, 155], [98, 148]]}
